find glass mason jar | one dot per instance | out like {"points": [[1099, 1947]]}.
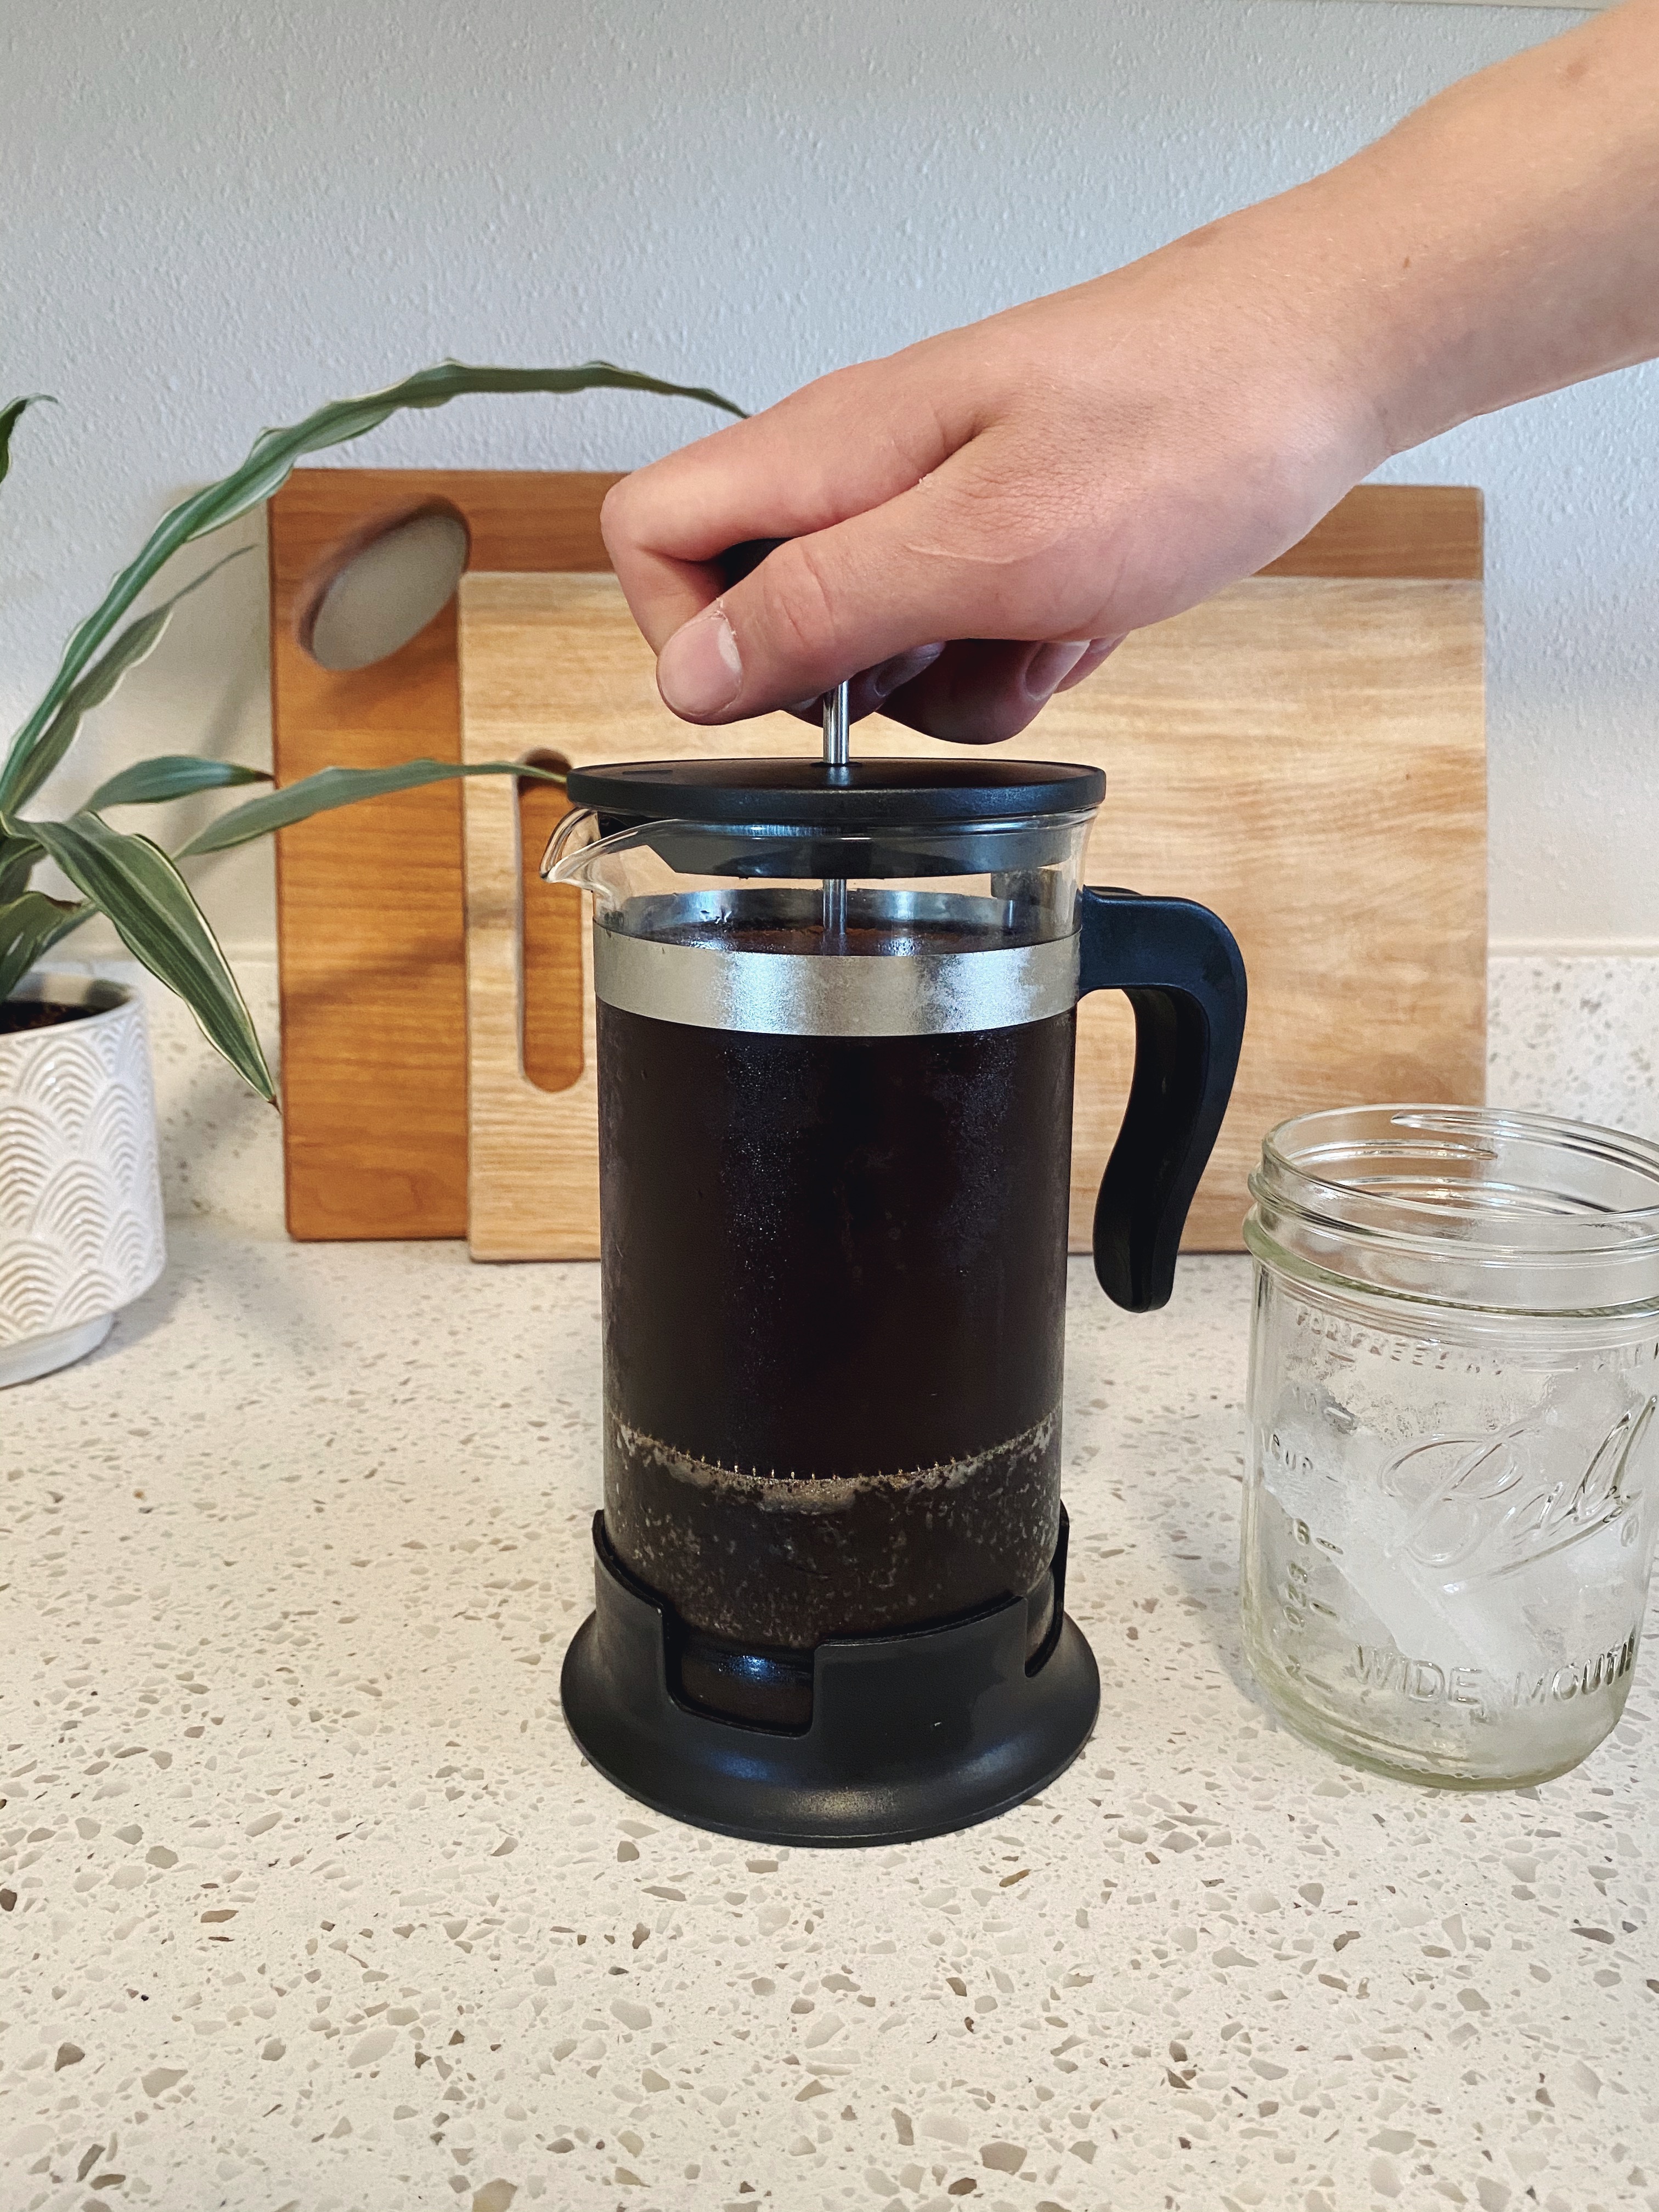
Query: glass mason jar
{"points": [[1448, 1512]]}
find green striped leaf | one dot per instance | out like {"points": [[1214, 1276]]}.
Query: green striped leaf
{"points": [[19, 858], [136, 643], [340, 787], [10, 416], [29, 927], [170, 776], [136, 885], [273, 454]]}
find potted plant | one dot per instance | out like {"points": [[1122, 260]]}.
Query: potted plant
{"points": [[80, 1203]]}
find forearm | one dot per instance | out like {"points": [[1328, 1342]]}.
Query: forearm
{"points": [[1504, 240]]}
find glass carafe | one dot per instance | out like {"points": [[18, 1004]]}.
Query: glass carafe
{"points": [[836, 1034]]}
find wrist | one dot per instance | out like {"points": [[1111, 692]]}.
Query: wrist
{"points": [[1342, 352]]}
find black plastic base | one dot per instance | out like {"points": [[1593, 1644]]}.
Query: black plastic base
{"points": [[911, 1734]]}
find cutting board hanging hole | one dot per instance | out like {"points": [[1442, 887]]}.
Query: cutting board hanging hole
{"points": [[383, 587], [549, 934]]}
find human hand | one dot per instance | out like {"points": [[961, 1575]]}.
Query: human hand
{"points": [[973, 523]]}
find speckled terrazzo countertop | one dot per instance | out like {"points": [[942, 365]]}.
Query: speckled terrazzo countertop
{"points": [[310, 1905]]}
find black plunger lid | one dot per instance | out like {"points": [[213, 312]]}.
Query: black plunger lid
{"points": [[868, 794]]}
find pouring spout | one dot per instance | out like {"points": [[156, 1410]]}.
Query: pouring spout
{"points": [[576, 852], [569, 845]]}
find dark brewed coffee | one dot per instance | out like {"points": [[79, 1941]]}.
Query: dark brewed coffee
{"points": [[834, 1284]]}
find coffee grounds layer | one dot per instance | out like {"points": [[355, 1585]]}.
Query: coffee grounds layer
{"points": [[787, 1561]]}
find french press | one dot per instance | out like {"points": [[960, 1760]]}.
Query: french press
{"points": [[835, 1027]]}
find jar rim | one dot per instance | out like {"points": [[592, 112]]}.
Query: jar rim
{"points": [[1309, 1162], [1481, 1209]]}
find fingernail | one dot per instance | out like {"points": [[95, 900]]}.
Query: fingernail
{"points": [[1050, 664], [1099, 649], [903, 668], [700, 670]]}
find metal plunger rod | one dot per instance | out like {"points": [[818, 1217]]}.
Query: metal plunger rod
{"points": [[837, 753], [837, 729]]}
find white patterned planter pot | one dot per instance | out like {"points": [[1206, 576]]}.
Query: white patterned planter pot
{"points": [[81, 1230]]}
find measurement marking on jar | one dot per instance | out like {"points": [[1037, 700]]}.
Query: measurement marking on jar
{"points": [[1296, 1594]]}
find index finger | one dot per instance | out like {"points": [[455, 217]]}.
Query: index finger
{"points": [[849, 442]]}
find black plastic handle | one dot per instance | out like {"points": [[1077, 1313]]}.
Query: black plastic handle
{"points": [[1182, 972]]}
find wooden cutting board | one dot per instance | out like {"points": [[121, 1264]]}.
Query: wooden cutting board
{"points": [[1348, 726], [369, 921], [1305, 755]]}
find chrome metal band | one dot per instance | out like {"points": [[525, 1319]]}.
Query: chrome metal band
{"points": [[811, 995]]}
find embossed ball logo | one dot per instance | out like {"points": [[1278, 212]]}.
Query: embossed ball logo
{"points": [[1483, 1506]]}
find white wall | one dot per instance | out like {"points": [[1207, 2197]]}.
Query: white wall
{"points": [[214, 219]]}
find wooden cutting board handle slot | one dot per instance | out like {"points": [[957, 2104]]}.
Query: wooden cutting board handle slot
{"points": [[530, 1146], [552, 921]]}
